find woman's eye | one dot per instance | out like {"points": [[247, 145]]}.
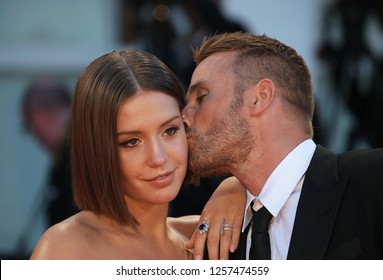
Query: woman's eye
{"points": [[130, 143], [172, 130]]}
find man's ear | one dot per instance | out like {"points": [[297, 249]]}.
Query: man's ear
{"points": [[262, 96]]}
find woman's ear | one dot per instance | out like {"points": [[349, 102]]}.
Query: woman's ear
{"points": [[262, 96]]}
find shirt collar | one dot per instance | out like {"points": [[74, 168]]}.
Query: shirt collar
{"points": [[282, 180]]}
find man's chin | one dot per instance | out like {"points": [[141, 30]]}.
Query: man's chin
{"points": [[205, 170], [198, 170]]}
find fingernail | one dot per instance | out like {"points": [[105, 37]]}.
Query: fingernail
{"points": [[198, 257], [232, 248]]}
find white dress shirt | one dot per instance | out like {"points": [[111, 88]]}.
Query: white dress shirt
{"points": [[280, 195]]}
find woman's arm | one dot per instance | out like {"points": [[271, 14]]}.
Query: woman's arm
{"points": [[225, 207]]}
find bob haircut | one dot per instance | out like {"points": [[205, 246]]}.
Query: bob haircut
{"points": [[101, 89]]}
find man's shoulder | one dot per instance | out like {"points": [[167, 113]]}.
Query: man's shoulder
{"points": [[362, 159], [361, 167], [363, 156]]}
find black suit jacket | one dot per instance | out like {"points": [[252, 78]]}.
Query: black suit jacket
{"points": [[340, 210]]}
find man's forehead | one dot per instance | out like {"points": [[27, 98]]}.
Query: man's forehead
{"points": [[219, 58], [217, 63]]}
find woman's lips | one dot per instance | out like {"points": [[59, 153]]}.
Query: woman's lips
{"points": [[163, 179]]}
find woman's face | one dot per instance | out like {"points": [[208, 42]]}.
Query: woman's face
{"points": [[152, 147]]}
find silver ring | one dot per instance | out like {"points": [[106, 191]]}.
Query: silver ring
{"points": [[225, 227], [204, 227]]}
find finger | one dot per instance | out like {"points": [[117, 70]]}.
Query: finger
{"points": [[189, 245], [200, 240], [214, 238], [236, 233], [226, 232]]}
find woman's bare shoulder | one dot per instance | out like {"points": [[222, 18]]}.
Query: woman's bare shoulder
{"points": [[65, 240], [185, 224]]}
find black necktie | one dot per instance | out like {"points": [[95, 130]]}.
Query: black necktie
{"points": [[260, 240]]}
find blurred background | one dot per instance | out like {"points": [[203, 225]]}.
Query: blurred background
{"points": [[45, 44]]}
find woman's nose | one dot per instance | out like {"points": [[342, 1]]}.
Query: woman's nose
{"points": [[157, 154]]}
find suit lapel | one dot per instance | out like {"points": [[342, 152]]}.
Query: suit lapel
{"points": [[322, 192]]}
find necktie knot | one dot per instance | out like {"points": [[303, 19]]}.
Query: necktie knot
{"points": [[261, 220], [260, 240]]}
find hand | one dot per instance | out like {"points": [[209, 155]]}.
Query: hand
{"points": [[225, 207]]}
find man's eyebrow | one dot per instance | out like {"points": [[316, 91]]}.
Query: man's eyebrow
{"points": [[194, 87]]}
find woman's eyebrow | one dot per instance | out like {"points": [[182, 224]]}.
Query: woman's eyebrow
{"points": [[163, 124]]}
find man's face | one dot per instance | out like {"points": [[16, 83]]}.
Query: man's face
{"points": [[48, 125], [218, 135]]}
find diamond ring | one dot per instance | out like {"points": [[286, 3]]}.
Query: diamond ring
{"points": [[204, 227], [225, 227]]}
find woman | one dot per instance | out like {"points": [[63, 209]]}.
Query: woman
{"points": [[129, 160]]}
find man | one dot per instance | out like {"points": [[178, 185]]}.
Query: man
{"points": [[249, 114], [46, 108]]}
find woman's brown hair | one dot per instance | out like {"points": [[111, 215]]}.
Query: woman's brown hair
{"points": [[100, 91]]}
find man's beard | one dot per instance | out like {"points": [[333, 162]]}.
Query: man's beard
{"points": [[223, 147]]}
